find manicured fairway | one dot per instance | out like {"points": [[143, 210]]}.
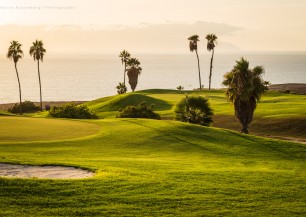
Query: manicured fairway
{"points": [[22, 129], [160, 168]]}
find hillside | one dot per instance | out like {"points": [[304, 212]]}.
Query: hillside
{"points": [[277, 115]]}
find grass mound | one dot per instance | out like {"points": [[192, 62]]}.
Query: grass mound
{"points": [[22, 129], [113, 104]]}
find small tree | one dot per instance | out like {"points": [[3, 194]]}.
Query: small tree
{"points": [[180, 87], [121, 88], [245, 87], [195, 110]]}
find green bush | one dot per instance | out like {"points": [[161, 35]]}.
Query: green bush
{"points": [[27, 106], [72, 111], [140, 111], [195, 110]]}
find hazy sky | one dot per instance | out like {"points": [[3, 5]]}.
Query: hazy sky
{"points": [[106, 26]]}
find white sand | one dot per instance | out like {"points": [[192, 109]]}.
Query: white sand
{"points": [[42, 172]]}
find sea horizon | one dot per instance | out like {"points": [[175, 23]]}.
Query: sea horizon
{"points": [[84, 77]]}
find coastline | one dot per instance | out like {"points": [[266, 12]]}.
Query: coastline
{"points": [[5, 106], [299, 88]]}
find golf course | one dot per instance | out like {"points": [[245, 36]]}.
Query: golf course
{"points": [[147, 167]]}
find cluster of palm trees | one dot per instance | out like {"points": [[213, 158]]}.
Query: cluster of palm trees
{"points": [[211, 44], [245, 86], [15, 53], [132, 69]]}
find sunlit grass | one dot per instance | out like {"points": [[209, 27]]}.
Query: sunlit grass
{"points": [[23, 129], [155, 168]]}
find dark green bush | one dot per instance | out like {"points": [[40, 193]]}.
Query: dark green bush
{"points": [[72, 111], [27, 106], [140, 111], [195, 110]]}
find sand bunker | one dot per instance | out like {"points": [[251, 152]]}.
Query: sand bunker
{"points": [[42, 172]]}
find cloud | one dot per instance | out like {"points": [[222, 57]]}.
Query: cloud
{"points": [[142, 38]]}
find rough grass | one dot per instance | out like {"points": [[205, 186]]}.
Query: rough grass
{"points": [[23, 129], [160, 168]]}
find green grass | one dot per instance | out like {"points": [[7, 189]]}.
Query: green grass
{"points": [[160, 168], [23, 129], [5, 113], [277, 114]]}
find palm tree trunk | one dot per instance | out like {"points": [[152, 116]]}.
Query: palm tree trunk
{"points": [[39, 85], [20, 105], [211, 66], [124, 73], [199, 70]]}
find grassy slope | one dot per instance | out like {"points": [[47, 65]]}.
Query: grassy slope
{"points": [[278, 114], [154, 168], [22, 129]]}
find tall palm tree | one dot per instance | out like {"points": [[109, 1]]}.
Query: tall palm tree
{"points": [[193, 45], [245, 87], [133, 71], [38, 51], [15, 53], [125, 56], [211, 44]]}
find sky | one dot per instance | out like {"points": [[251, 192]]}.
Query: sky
{"points": [[153, 26]]}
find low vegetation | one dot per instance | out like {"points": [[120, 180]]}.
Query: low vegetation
{"points": [[27, 106], [140, 111], [195, 110], [72, 111]]}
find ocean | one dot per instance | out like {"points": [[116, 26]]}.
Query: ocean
{"points": [[88, 77]]}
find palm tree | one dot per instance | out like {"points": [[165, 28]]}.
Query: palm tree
{"points": [[15, 53], [245, 87], [211, 44], [125, 56], [133, 71], [195, 110], [38, 51], [121, 88], [193, 45]]}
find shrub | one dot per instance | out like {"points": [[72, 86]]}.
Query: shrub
{"points": [[72, 111], [195, 110], [27, 106], [140, 111]]}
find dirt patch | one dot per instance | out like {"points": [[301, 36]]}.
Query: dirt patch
{"points": [[43, 172]]}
